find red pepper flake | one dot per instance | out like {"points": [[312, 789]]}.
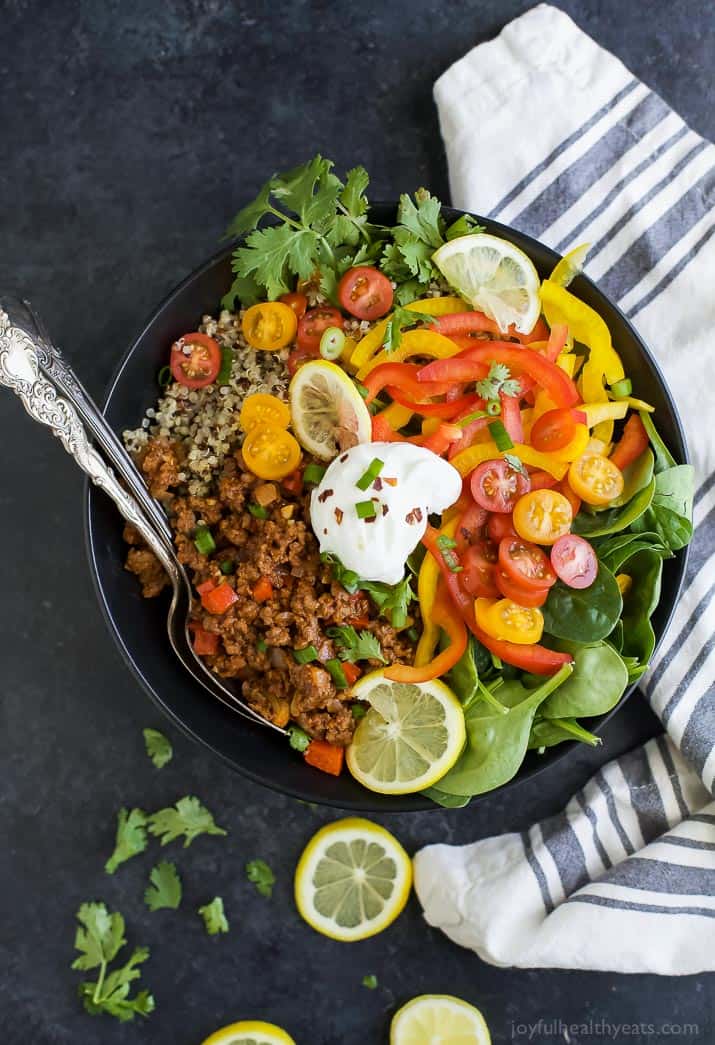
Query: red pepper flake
{"points": [[370, 518], [415, 516], [385, 509], [339, 515], [377, 485], [322, 497], [343, 459]]}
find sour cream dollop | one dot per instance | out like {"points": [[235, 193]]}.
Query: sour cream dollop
{"points": [[412, 483]]}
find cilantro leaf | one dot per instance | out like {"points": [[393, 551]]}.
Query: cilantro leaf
{"points": [[353, 196], [464, 226], [298, 738], [295, 187], [408, 291], [498, 381], [267, 252], [249, 217], [130, 838], [422, 218], [401, 319], [517, 464], [354, 646], [243, 290], [392, 600], [165, 888], [214, 917], [188, 818], [99, 938], [158, 748], [258, 872], [370, 981]]}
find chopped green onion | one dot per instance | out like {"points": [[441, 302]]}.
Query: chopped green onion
{"points": [[204, 542], [413, 635], [226, 567], [305, 655], [261, 645], [621, 389], [493, 408], [370, 981], [443, 541], [358, 710], [336, 672], [332, 343], [313, 473], [497, 661], [451, 561], [463, 422], [364, 392], [224, 374], [370, 474], [366, 509], [164, 377], [258, 511], [298, 738], [500, 435]]}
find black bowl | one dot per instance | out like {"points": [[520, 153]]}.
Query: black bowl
{"points": [[138, 625]]}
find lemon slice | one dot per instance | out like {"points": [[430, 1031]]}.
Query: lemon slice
{"points": [[250, 1032], [439, 1018], [494, 276], [570, 266], [327, 411], [352, 880], [411, 736]]}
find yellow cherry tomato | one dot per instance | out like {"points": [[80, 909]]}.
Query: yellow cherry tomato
{"points": [[270, 452], [262, 408], [507, 620], [542, 516], [270, 325], [595, 478]]}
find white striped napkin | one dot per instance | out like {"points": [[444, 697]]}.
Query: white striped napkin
{"points": [[546, 131]]}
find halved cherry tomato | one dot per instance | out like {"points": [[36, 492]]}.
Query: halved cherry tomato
{"points": [[365, 292], [195, 360], [262, 408], [595, 478], [523, 596], [631, 444], [542, 516], [299, 356], [573, 499], [496, 486], [500, 526], [298, 302], [506, 620], [269, 325], [479, 562], [575, 561], [270, 452], [470, 527], [313, 325], [553, 430], [525, 564]]}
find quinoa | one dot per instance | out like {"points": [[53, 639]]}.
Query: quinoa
{"points": [[205, 420]]}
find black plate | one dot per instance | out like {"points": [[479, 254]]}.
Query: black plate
{"points": [[138, 625]]}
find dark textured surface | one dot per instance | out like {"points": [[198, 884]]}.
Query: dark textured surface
{"points": [[131, 131]]}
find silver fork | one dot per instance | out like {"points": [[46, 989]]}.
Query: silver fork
{"points": [[25, 352]]}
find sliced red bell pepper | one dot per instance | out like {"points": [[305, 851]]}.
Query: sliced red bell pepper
{"points": [[351, 672], [511, 418], [404, 376], [382, 431], [557, 341], [555, 382], [327, 757], [262, 589], [206, 643], [450, 620], [218, 599], [443, 438], [631, 444], [446, 410], [293, 482], [462, 324]]}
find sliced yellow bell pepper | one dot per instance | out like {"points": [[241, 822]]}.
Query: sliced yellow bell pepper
{"points": [[430, 425], [413, 343], [567, 362], [575, 447], [396, 415], [427, 581], [597, 413], [542, 404], [346, 354], [597, 446], [637, 404], [372, 341], [624, 582], [570, 265], [466, 461]]}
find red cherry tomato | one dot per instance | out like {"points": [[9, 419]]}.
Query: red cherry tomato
{"points": [[366, 293], [574, 560], [314, 323], [529, 597], [299, 356], [500, 526], [496, 486], [298, 302], [525, 563], [471, 527], [553, 430], [477, 577], [195, 360]]}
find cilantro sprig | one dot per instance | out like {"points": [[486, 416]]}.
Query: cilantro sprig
{"points": [[356, 645], [99, 938], [215, 920], [392, 600], [498, 381], [164, 889], [130, 838], [402, 319], [158, 748], [258, 872], [188, 818]]}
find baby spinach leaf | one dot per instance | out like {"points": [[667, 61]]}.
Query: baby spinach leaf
{"points": [[464, 676], [584, 615], [670, 513], [496, 743], [550, 732], [615, 554], [635, 478], [645, 568], [613, 520], [663, 457], [441, 798], [598, 682]]}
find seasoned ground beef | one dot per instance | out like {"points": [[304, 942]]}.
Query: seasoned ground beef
{"points": [[257, 638]]}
